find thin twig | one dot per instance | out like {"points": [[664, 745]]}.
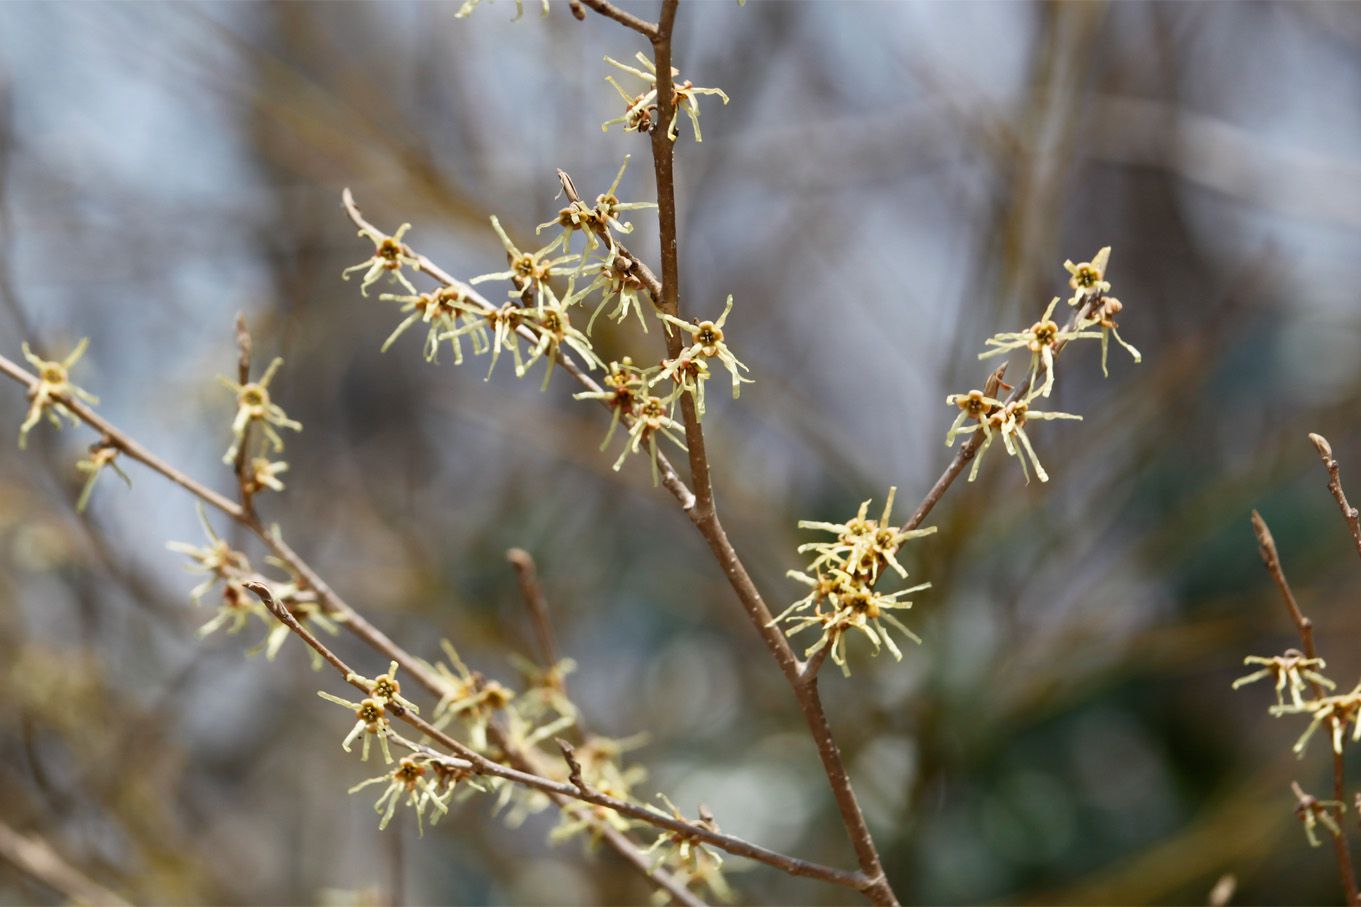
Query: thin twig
{"points": [[1349, 513], [528, 576], [646, 29], [243, 346], [1271, 558]]}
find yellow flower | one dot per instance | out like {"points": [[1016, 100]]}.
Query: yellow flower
{"points": [[706, 340], [254, 407], [389, 256], [53, 389], [1088, 277]]}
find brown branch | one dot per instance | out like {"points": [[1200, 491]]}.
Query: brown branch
{"points": [[243, 346], [528, 576], [603, 7], [702, 511], [1349, 513], [1271, 558], [484, 766]]}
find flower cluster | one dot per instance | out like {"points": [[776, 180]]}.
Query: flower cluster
{"points": [[53, 389], [640, 110], [1302, 678], [103, 455], [1291, 671], [1313, 812], [842, 580], [982, 412], [536, 319]]}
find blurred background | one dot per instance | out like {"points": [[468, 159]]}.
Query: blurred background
{"points": [[891, 184]]}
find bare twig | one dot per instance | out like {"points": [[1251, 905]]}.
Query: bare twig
{"points": [[243, 346], [532, 592], [36, 859], [646, 29], [1349, 513], [1271, 558], [569, 755]]}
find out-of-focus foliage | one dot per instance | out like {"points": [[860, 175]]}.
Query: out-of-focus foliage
{"points": [[890, 184]]}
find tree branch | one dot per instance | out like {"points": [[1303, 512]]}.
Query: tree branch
{"points": [[1349, 513], [1271, 558], [646, 29]]}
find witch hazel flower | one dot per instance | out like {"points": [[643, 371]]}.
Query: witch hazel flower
{"points": [[254, 407], [625, 389], [707, 341], [495, 330], [217, 560], [384, 695], [841, 580], [1088, 277], [638, 117], [528, 270], [1313, 812], [615, 281], [421, 783], [1291, 671], [264, 473], [467, 697], [306, 612], [690, 374], [440, 310], [468, 6], [1338, 712], [652, 418], [103, 455], [1102, 316], [976, 406], [389, 256], [234, 611], [553, 325], [856, 607], [1041, 339], [371, 721], [49, 395]]}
